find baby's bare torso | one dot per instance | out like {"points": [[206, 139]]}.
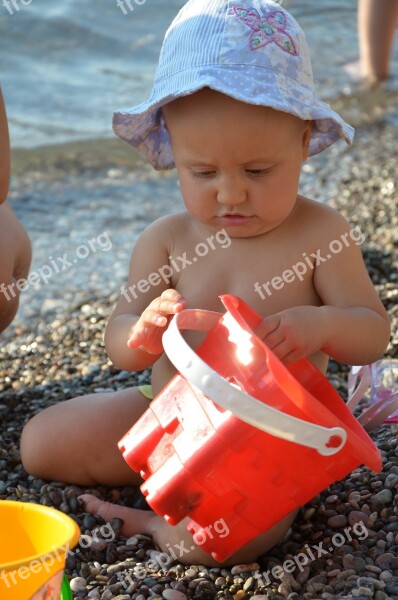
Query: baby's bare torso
{"points": [[209, 264]]}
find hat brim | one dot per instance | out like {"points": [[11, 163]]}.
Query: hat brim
{"points": [[143, 126]]}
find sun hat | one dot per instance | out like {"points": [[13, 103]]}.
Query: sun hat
{"points": [[252, 51]]}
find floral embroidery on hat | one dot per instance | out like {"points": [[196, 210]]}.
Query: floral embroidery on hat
{"points": [[271, 28]]}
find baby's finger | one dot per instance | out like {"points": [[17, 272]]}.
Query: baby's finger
{"points": [[168, 307], [171, 302], [267, 326], [137, 344], [135, 341], [281, 350], [149, 319], [172, 295]]}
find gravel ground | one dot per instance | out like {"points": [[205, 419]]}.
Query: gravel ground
{"points": [[48, 360]]}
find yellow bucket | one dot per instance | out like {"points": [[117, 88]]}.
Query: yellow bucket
{"points": [[35, 540]]}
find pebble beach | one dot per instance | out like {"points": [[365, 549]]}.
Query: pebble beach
{"points": [[72, 182], [54, 350]]}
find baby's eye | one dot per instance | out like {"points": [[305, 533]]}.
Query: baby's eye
{"points": [[256, 171], [203, 173]]}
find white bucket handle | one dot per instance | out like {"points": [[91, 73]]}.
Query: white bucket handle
{"points": [[248, 409]]}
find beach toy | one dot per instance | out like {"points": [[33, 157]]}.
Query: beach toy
{"points": [[382, 379], [35, 540], [236, 440]]}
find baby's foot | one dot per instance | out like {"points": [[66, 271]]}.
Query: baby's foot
{"points": [[135, 520], [168, 538]]}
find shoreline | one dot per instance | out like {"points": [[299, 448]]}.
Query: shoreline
{"points": [[76, 158], [359, 106]]}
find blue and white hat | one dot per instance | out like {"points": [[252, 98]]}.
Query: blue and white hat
{"points": [[253, 51]]}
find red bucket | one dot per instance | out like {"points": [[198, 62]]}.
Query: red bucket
{"points": [[237, 436]]}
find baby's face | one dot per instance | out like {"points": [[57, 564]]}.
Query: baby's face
{"points": [[238, 164]]}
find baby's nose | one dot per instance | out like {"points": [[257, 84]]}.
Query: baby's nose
{"points": [[231, 193]]}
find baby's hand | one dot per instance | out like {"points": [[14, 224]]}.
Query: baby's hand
{"points": [[150, 327], [294, 333]]}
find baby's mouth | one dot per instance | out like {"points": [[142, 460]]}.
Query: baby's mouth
{"points": [[236, 219]]}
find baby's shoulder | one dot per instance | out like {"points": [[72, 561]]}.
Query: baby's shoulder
{"points": [[167, 226], [317, 219]]}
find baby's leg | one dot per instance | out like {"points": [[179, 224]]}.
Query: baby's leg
{"points": [[76, 440], [177, 541]]}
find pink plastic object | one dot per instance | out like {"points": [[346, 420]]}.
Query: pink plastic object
{"points": [[382, 379], [294, 435]]}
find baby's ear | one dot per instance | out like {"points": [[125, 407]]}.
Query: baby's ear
{"points": [[306, 139]]}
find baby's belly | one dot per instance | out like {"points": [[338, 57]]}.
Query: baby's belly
{"points": [[163, 370]]}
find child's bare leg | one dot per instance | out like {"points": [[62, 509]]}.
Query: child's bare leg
{"points": [[377, 20], [76, 440], [177, 540]]}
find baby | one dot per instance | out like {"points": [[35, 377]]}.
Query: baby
{"points": [[15, 248], [234, 110]]}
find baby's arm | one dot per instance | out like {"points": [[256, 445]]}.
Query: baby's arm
{"points": [[357, 328], [133, 337], [4, 152], [351, 325]]}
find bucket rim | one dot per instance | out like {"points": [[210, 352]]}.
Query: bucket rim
{"points": [[72, 533]]}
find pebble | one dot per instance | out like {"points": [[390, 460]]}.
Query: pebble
{"points": [[309, 513], [357, 516], [373, 569], [362, 591], [249, 583], [384, 560], [331, 499], [245, 568], [191, 573], [170, 594], [391, 481], [337, 521], [385, 497], [365, 582], [392, 588], [303, 576], [78, 584]]}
